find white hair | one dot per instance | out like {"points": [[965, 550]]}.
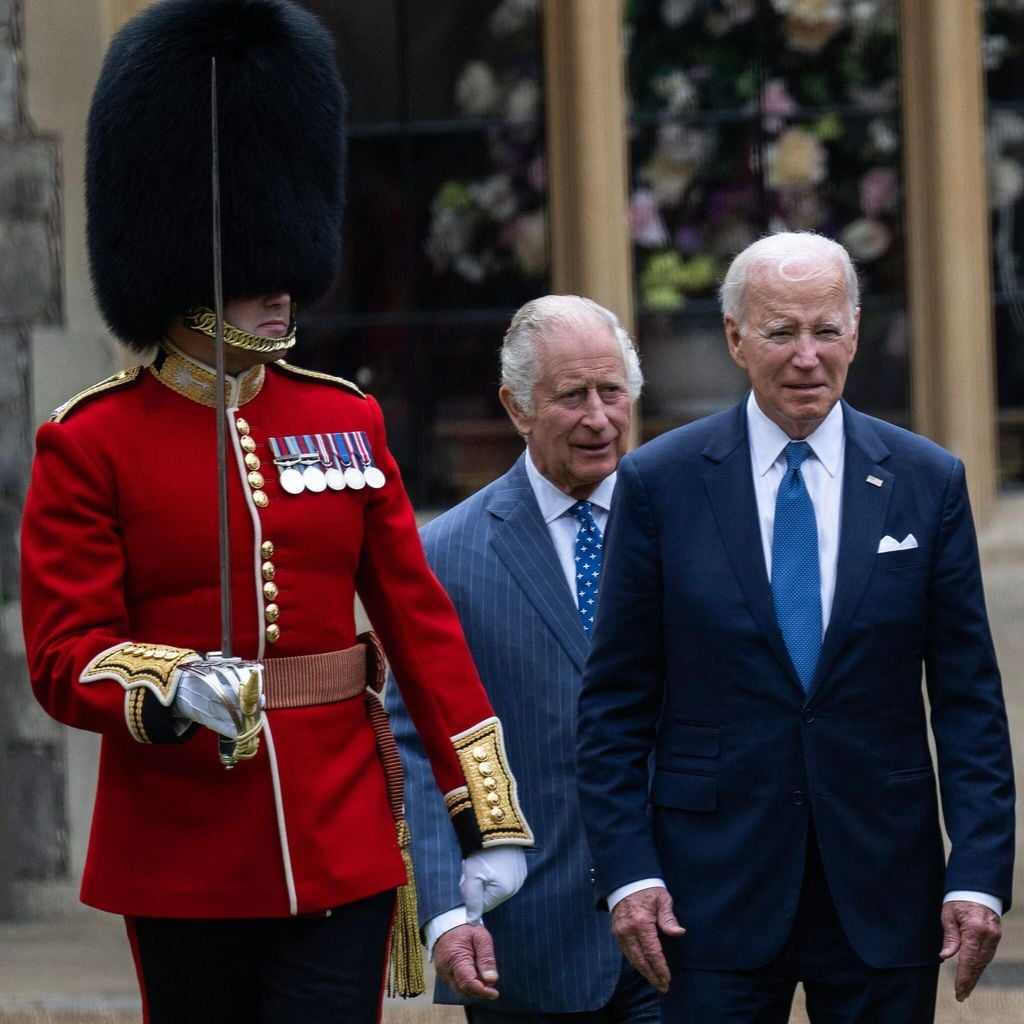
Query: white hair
{"points": [[781, 252], [520, 349]]}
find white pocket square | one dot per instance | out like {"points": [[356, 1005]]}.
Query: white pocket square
{"points": [[887, 544]]}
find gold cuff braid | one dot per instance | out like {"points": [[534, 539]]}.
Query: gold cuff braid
{"points": [[490, 786], [133, 665]]}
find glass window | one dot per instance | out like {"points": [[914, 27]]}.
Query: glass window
{"points": [[750, 116], [445, 229], [1003, 57]]}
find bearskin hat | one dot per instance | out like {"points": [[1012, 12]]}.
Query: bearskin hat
{"points": [[281, 109]]}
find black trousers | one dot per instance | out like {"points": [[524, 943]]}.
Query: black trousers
{"points": [[839, 987], [325, 969], [633, 1001]]}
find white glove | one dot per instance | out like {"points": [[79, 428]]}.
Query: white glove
{"points": [[490, 877], [208, 693]]}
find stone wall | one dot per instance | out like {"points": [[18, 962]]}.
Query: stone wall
{"points": [[33, 832]]}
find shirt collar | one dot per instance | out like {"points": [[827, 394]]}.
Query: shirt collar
{"points": [[768, 439], [554, 503]]}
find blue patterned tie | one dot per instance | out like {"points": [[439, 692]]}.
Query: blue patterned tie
{"points": [[796, 576], [588, 563]]}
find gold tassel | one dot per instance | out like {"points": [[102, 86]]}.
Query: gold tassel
{"points": [[405, 974]]}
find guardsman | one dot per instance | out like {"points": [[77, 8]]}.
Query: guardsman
{"points": [[267, 892]]}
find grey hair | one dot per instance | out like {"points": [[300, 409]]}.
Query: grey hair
{"points": [[520, 348], [780, 251]]}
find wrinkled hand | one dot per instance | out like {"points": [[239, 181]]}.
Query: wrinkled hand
{"points": [[490, 877], [974, 931], [636, 921], [464, 958], [209, 693]]}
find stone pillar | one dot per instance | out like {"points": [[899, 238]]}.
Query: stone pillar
{"points": [[953, 389], [33, 840]]}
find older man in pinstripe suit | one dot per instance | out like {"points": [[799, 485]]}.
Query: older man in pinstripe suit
{"points": [[512, 559]]}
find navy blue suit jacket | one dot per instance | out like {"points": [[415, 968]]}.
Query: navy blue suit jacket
{"points": [[688, 662], [493, 554]]}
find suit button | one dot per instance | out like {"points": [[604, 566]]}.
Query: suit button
{"points": [[808, 718], [798, 797]]}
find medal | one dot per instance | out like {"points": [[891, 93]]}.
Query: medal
{"points": [[335, 477], [353, 478], [312, 475], [374, 476], [290, 478]]}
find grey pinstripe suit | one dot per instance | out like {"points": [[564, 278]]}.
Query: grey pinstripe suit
{"points": [[494, 556]]}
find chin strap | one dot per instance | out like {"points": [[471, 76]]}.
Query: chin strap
{"points": [[204, 320]]}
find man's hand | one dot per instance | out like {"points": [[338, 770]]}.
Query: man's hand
{"points": [[464, 958], [636, 921], [209, 693], [974, 931]]}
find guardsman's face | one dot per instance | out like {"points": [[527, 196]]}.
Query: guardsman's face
{"points": [[796, 340], [579, 429], [268, 316]]}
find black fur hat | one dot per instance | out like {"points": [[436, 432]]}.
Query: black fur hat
{"points": [[281, 111]]}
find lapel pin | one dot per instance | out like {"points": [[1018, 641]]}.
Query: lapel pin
{"points": [[874, 481]]}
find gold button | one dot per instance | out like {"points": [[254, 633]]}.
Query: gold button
{"points": [[480, 753], [260, 499], [496, 814], [271, 612], [493, 799], [256, 480], [252, 461], [267, 549], [485, 768], [248, 444], [270, 591], [490, 783], [268, 570], [242, 426], [273, 634]]}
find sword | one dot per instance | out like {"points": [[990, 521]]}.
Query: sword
{"points": [[231, 751]]}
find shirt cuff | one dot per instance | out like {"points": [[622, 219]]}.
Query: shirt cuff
{"points": [[994, 903], [616, 895], [437, 926]]}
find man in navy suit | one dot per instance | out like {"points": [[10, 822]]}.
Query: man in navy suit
{"points": [[507, 557], [776, 577]]}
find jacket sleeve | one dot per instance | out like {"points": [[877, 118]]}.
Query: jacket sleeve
{"points": [[86, 669], [967, 711], [434, 669], [622, 694]]}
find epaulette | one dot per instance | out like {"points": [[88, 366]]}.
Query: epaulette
{"points": [[118, 380], [298, 371]]}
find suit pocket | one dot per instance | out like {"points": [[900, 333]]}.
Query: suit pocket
{"points": [[910, 774], [891, 560], [695, 740], [685, 791]]}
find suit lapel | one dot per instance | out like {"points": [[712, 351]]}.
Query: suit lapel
{"points": [[730, 488], [522, 541], [861, 524]]}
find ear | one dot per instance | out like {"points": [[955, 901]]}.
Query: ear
{"points": [[520, 420], [734, 336], [856, 333]]}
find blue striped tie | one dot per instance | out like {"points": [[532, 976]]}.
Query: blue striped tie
{"points": [[588, 563], [796, 575]]}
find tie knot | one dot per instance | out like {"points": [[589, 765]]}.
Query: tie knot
{"points": [[796, 452], [584, 512]]}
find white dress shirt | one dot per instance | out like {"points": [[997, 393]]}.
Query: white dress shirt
{"points": [[823, 476]]}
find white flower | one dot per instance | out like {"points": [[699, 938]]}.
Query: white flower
{"points": [[675, 12], [866, 239], [882, 136], [494, 195], [645, 223], [469, 267], [1005, 182], [522, 100], [677, 90], [477, 92], [512, 15], [810, 10], [798, 159], [671, 169], [529, 240]]}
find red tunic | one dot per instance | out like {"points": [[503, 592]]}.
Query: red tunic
{"points": [[120, 544]]}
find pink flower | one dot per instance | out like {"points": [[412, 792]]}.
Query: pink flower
{"points": [[878, 191], [776, 105], [645, 224]]}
